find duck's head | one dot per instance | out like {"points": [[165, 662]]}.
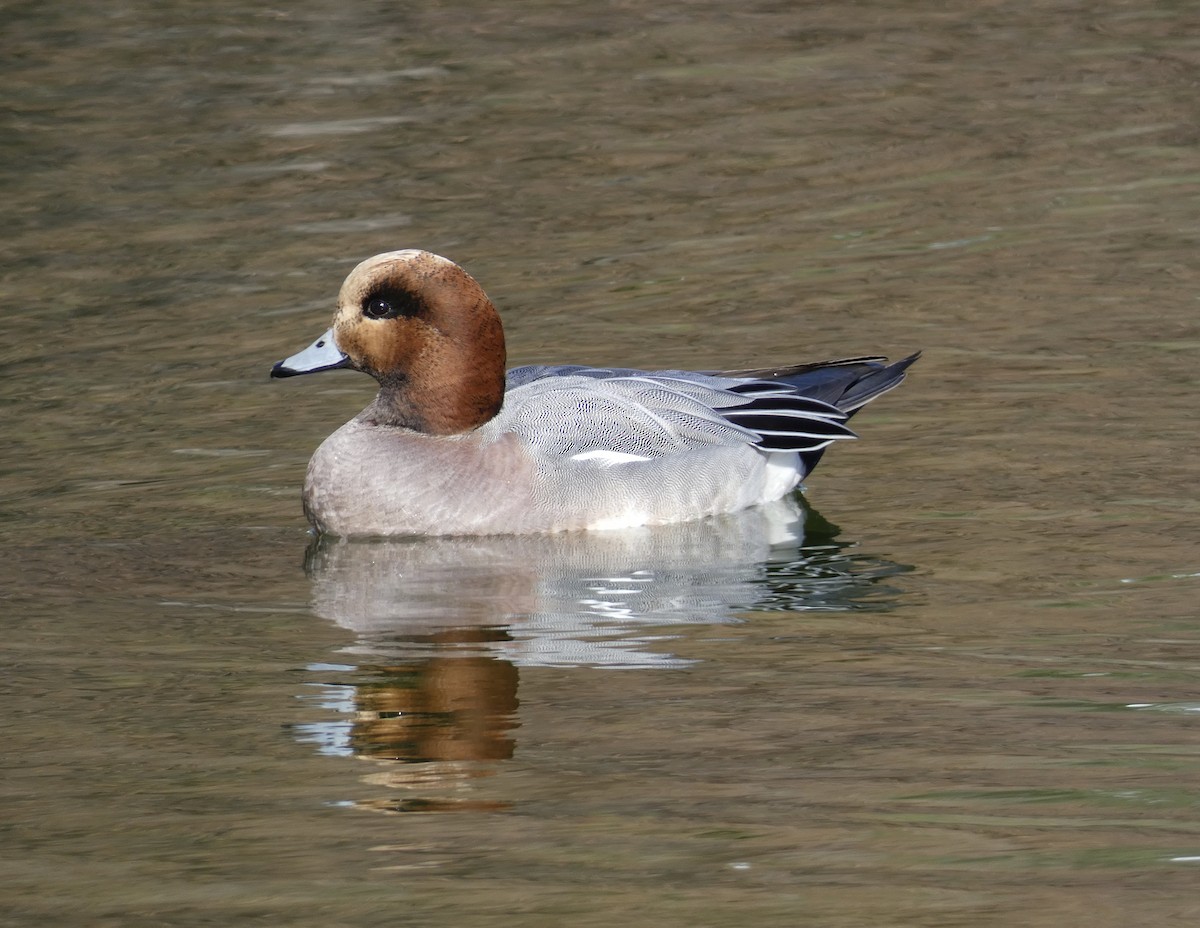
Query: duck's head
{"points": [[421, 326]]}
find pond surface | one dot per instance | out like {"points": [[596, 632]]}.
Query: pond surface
{"points": [[960, 687]]}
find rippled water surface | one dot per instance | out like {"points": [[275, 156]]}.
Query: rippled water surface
{"points": [[961, 687]]}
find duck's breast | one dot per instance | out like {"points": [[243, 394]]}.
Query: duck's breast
{"points": [[366, 479]]}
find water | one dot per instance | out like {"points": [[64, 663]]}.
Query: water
{"points": [[962, 690]]}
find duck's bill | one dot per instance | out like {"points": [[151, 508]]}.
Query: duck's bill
{"points": [[321, 355]]}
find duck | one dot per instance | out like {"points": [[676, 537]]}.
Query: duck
{"points": [[453, 444]]}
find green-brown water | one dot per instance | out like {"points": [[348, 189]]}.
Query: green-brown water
{"points": [[974, 702]]}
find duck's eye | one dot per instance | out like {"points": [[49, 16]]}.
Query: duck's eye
{"points": [[390, 303], [378, 308]]}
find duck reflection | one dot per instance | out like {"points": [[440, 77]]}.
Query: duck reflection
{"points": [[443, 626], [441, 709]]}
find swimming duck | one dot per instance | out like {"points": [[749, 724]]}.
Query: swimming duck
{"points": [[452, 445]]}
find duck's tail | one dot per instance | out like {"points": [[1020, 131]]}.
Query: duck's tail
{"points": [[847, 384]]}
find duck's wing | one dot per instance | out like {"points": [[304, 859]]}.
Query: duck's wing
{"points": [[616, 414]]}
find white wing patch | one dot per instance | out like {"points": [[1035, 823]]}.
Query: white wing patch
{"points": [[606, 458]]}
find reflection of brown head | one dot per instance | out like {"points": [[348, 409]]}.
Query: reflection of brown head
{"points": [[441, 709]]}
